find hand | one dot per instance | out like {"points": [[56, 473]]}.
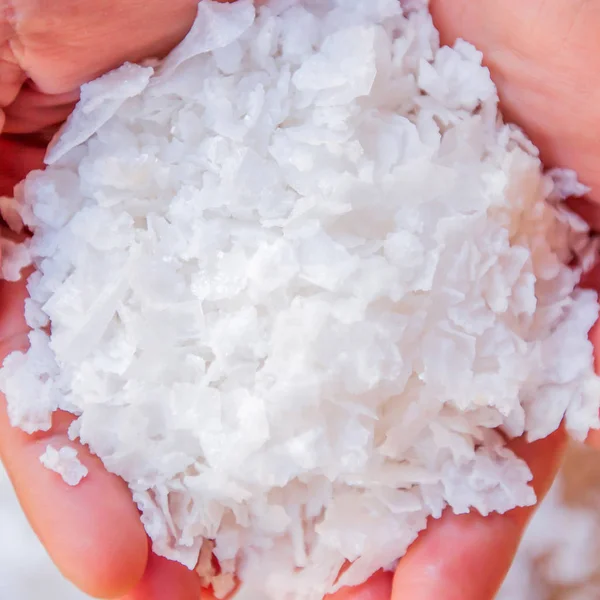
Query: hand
{"points": [[93, 531], [544, 56]]}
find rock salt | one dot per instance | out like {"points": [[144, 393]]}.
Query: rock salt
{"points": [[298, 287], [64, 462]]}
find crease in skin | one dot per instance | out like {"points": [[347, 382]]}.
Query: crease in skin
{"points": [[577, 12], [11, 18], [10, 22], [12, 75]]}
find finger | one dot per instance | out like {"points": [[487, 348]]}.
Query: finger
{"points": [[84, 28], [33, 111], [378, 587], [166, 579], [17, 158], [92, 531], [466, 557], [544, 56]]}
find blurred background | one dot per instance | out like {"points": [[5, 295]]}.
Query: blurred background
{"points": [[559, 558], [560, 555]]}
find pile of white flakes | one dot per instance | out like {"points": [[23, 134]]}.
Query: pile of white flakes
{"points": [[302, 283]]}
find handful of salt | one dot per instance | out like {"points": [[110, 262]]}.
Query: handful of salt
{"points": [[299, 277]]}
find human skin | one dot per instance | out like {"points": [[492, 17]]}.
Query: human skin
{"points": [[544, 56]]}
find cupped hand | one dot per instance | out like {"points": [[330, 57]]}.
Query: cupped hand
{"points": [[541, 54], [47, 50], [544, 56]]}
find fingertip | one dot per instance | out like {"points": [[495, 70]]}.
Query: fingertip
{"points": [[92, 531]]}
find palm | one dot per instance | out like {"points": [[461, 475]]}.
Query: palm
{"points": [[544, 56], [540, 88]]}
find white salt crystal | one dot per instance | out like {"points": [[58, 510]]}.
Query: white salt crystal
{"points": [[294, 283], [100, 100], [64, 461], [10, 213], [217, 26], [15, 258]]}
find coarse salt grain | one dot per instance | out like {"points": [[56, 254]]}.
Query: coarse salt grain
{"points": [[298, 275], [64, 461]]}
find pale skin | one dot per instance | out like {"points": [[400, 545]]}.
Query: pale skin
{"points": [[545, 58]]}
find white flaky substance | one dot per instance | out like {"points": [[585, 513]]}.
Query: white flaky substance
{"points": [[64, 462], [300, 279]]}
